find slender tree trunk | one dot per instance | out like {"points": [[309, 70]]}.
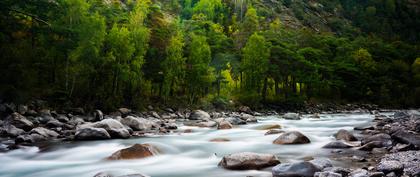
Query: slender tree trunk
{"points": [[264, 90]]}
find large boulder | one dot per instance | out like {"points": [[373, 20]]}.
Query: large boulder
{"points": [[248, 161], [293, 137], [199, 115], [291, 116], [298, 169], [136, 151], [91, 133], [124, 111], [235, 120], [345, 135], [21, 122], [337, 145], [44, 132], [224, 125], [113, 127], [135, 123]]}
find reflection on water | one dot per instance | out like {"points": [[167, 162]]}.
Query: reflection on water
{"points": [[185, 155]]}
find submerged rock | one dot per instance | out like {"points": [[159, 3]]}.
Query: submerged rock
{"points": [[301, 169], [268, 127], [345, 135], [219, 140], [248, 161], [293, 137], [136, 151], [273, 131]]}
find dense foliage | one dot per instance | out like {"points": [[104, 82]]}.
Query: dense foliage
{"points": [[108, 53]]}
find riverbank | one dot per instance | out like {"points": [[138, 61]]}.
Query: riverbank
{"points": [[361, 150]]}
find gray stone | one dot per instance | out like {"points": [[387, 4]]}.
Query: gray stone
{"points": [[91, 133], [293, 137], [337, 145], [248, 161], [199, 115], [327, 174], [345, 135], [139, 124], [387, 166], [301, 169], [291, 116]]}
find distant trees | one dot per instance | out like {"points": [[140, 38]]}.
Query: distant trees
{"points": [[104, 54]]}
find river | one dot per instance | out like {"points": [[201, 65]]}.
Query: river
{"points": [[184, 154]]}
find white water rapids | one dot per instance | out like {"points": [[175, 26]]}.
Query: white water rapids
{"points": [[184, 154]]}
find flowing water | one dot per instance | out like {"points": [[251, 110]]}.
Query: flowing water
{"points": [[184, 155]]}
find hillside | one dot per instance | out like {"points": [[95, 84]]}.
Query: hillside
{"points": [[210, 53]]}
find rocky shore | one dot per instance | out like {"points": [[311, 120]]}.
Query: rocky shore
{"points": [[389, 147]]}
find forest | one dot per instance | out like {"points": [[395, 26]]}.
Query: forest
{"points": [[210, 53]]}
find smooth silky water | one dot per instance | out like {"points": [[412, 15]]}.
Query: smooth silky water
{"points": [[184, 154]]}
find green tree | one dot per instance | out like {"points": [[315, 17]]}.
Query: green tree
{"points": [[199, 73], [255, 64], [174, 65]]}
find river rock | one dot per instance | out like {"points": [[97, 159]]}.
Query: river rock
{"points": [[245, 109], [248, 161], [219, 140], [293, 137], [371, 145], [345, 135], [327, 174], [136, 151], [54, 124], [268, 127], [273, 131], [207, 124], [98, 115], [224, 125], [407, 137], [11, 131], [44, 132], [91, 133], [339, 170], [235, 121], [388, 166], [199, 115], [108, 174], [124, 111], [382, 137], [291, 116], [337, 145], [113, 127], [32, 138], [401, 114], [62, 118], [139, 124], [359, 173], [322, 163], [409, 160], [21, 122], [301, 169]]}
